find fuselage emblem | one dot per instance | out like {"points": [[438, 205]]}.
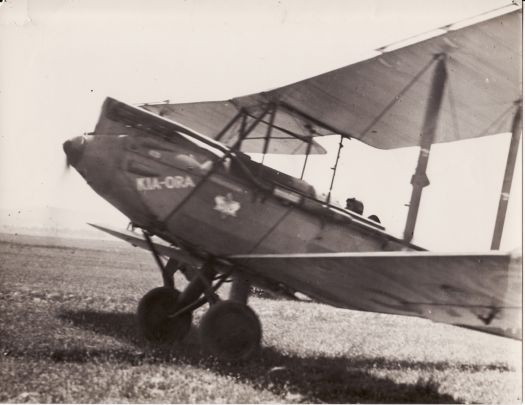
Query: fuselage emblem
{"points": [[226, 205]]}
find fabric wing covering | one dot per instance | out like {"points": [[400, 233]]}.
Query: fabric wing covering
{"points": [[475, 290], [382, 100], [478, 291]]}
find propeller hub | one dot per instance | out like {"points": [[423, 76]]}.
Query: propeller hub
{"points": [[73, 149]]}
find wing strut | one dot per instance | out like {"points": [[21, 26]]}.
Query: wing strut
{"points": [[334, 169], [420, 179], [308, 150], [507, 179], [268, 135]]}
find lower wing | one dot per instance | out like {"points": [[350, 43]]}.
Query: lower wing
{"points": [[479, 291]]}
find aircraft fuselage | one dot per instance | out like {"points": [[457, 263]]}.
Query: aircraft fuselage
{"points": [[177, 189]]}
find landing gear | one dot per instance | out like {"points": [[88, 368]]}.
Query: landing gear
{"points": [[154, 321], [231, 331]]}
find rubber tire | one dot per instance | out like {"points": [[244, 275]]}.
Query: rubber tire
{"points": [[231, 331], [152, 315]]}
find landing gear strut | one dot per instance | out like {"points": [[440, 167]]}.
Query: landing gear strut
{"points": [[230, 329], [164, 313]]}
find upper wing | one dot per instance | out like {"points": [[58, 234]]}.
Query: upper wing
{"points": [[289, 135], [381, 101], [481, 291]]}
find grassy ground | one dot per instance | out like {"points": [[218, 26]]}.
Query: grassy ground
{"points": [[68, 334]]}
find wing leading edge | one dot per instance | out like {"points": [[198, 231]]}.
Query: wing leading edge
{"points": [[480, 291]]}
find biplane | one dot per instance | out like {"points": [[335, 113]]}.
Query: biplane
{"points": [[183, 175]]}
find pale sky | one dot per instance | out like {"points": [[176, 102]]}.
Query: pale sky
{"points": [[60, 59]]}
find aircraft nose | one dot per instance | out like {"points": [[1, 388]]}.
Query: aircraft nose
{"points": [[73, 149]]}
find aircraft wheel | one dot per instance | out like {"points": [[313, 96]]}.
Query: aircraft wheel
{"points": [[231, 331], [153, 311]]}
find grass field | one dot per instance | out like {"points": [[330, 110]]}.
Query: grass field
{"points": [[68, 334]]}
